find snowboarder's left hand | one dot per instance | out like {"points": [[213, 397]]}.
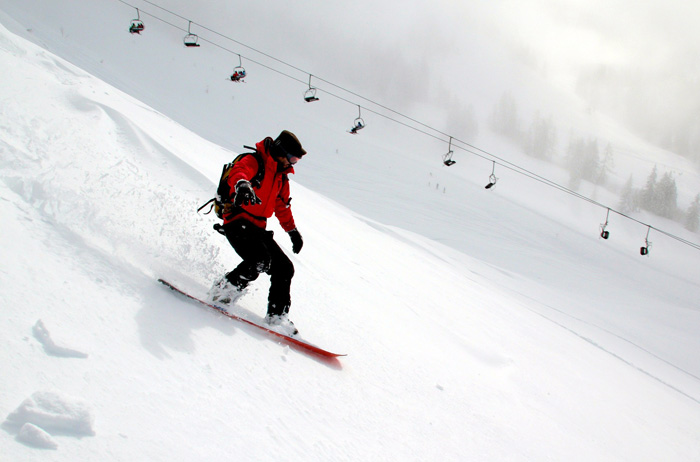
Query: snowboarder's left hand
{"points": [[297, 241]]}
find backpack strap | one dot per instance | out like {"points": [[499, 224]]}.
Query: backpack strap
{"points": [[211, 207], [257, 180]]}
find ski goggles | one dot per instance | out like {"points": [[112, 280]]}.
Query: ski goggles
{"points": [[292, 159]]}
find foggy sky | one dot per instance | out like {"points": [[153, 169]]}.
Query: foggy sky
{"points": [[575, 33], [566, 35], [639, 61]]}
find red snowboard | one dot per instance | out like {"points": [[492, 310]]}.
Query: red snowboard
{"points": [[291, 341]]}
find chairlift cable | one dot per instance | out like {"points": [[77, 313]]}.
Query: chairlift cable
{"points": [[433, 132]]}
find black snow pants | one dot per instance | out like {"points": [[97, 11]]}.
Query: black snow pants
{"points": [[260, 254]]}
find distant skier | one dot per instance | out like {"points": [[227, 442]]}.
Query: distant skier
{"points": [[245, 222]]}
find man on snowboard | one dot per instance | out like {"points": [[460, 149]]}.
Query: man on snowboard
{"points": [[245, 222]]}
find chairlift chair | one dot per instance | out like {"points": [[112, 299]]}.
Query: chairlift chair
{"points": [[310, 94], [239, 74], [645, 249], [359, 123], [136, 25], [447, 158], [492, 177], [190, 40], [492, 181], [604, 233]]}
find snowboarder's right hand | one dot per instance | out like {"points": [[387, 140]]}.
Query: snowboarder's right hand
{"points": [[245, 194]]}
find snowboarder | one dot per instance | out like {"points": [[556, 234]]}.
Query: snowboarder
{"points": [[245, 227]]}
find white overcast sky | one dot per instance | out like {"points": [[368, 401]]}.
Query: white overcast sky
{"points": [[416, 51], [622, 32], [565, 33]]}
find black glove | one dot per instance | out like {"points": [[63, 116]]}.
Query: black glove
{"points": [[297, 241], [245, 194]]}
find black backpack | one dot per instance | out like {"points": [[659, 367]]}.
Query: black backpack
{"points": [[223, 201]]}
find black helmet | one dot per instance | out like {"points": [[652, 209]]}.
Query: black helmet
{"points": [[288, 144]]}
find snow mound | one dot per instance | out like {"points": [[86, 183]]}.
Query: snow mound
{"points": [[31, 435], [52, 412], [42, 334]]}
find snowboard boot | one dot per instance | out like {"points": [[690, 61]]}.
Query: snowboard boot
{"points": [[224, 292], [281, 323]]}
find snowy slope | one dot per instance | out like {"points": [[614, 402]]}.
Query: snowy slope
{"points": [[534, 342]]}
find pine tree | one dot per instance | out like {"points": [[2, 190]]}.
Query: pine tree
{"points": [[462, 120], [574, 158], [471, 129], [582, 160], [504, 119], [628, 197], [692, 216], [591, 160], [541, 138], [606, 166], [666, 197], [646, 195]]}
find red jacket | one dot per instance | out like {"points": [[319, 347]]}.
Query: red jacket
{"points": [[273, 190]]}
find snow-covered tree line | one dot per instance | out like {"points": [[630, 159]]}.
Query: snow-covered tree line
{"points": [[660, 196], [585, 160], [658, 104]]}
